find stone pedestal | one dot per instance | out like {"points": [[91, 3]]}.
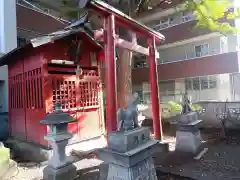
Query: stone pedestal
{"points": [[188, 136], [64, 173], [129, 155], [59, 166]]}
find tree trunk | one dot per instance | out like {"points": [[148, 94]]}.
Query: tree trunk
{"points": [[124, 69], [124, 76]]}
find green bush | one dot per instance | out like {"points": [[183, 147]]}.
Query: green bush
{"points": [[196, 107], [174, 107]]}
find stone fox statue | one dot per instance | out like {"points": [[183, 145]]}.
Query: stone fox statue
{"points": [[128, 118], [186, 104]]}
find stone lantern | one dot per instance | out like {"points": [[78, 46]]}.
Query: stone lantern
{"points": [[59, 166]]}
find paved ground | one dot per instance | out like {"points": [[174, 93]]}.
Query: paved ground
{"points": [[94, 175], [83, 157], [222, 161], [32, 171]]}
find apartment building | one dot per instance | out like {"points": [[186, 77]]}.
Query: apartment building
{"points": [[205, 64], [19, 22]]}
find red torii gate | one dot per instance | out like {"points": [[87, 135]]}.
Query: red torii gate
{"points": [[111, 17]]}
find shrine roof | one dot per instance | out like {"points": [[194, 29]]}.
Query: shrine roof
{"points": [[62, 34], [73, 29]]}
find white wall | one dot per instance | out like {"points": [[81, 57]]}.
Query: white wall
{"points": [[222, 92], [224, 87], [8, 28], [4, 88], [8, 42], [236, 86], [187, 51]]}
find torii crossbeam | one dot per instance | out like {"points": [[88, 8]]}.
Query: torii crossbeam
{"points": [[111, 18]]}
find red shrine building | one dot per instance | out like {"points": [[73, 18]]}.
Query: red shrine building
{"points": [[65, 66], [42, 73]]}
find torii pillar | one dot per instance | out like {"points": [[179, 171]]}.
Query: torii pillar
{"points": [[153, 77], [110, 73]]}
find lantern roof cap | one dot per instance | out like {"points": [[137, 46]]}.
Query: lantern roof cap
{"points": [[57, 117]]}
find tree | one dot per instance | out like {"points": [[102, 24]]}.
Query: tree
{"points": [[208, 13]]}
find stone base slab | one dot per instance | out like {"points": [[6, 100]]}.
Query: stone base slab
{"points": [[188, 141], [65, 173], [188, 118], [142, 170], [129, 158], [190, 127]]}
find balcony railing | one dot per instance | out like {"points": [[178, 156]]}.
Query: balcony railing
{"points": [[193, 55], [169, 24], [188, 56], [33, 7], [143, 63]]}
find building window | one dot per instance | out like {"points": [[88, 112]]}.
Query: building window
{"points": [[171, 20], [188, 84], [200, 83], [208, 82], [46, 10], [147, 97], [140, 62], [204, 82], [201, 50], [212, 81], [140, 94], [196, 83], [167, 88], [224, 44], [164, 23], [21, 41]]}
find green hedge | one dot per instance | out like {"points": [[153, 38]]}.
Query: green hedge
{"points": [[174, 108]]}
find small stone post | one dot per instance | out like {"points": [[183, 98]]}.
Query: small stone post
{"points": [[188, 137], [59, 166]]}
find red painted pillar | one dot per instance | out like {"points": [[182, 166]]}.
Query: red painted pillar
{"points": [[157, 125], [110, 73]]}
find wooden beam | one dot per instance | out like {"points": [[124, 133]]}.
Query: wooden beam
{"points": [[132, 46]]}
